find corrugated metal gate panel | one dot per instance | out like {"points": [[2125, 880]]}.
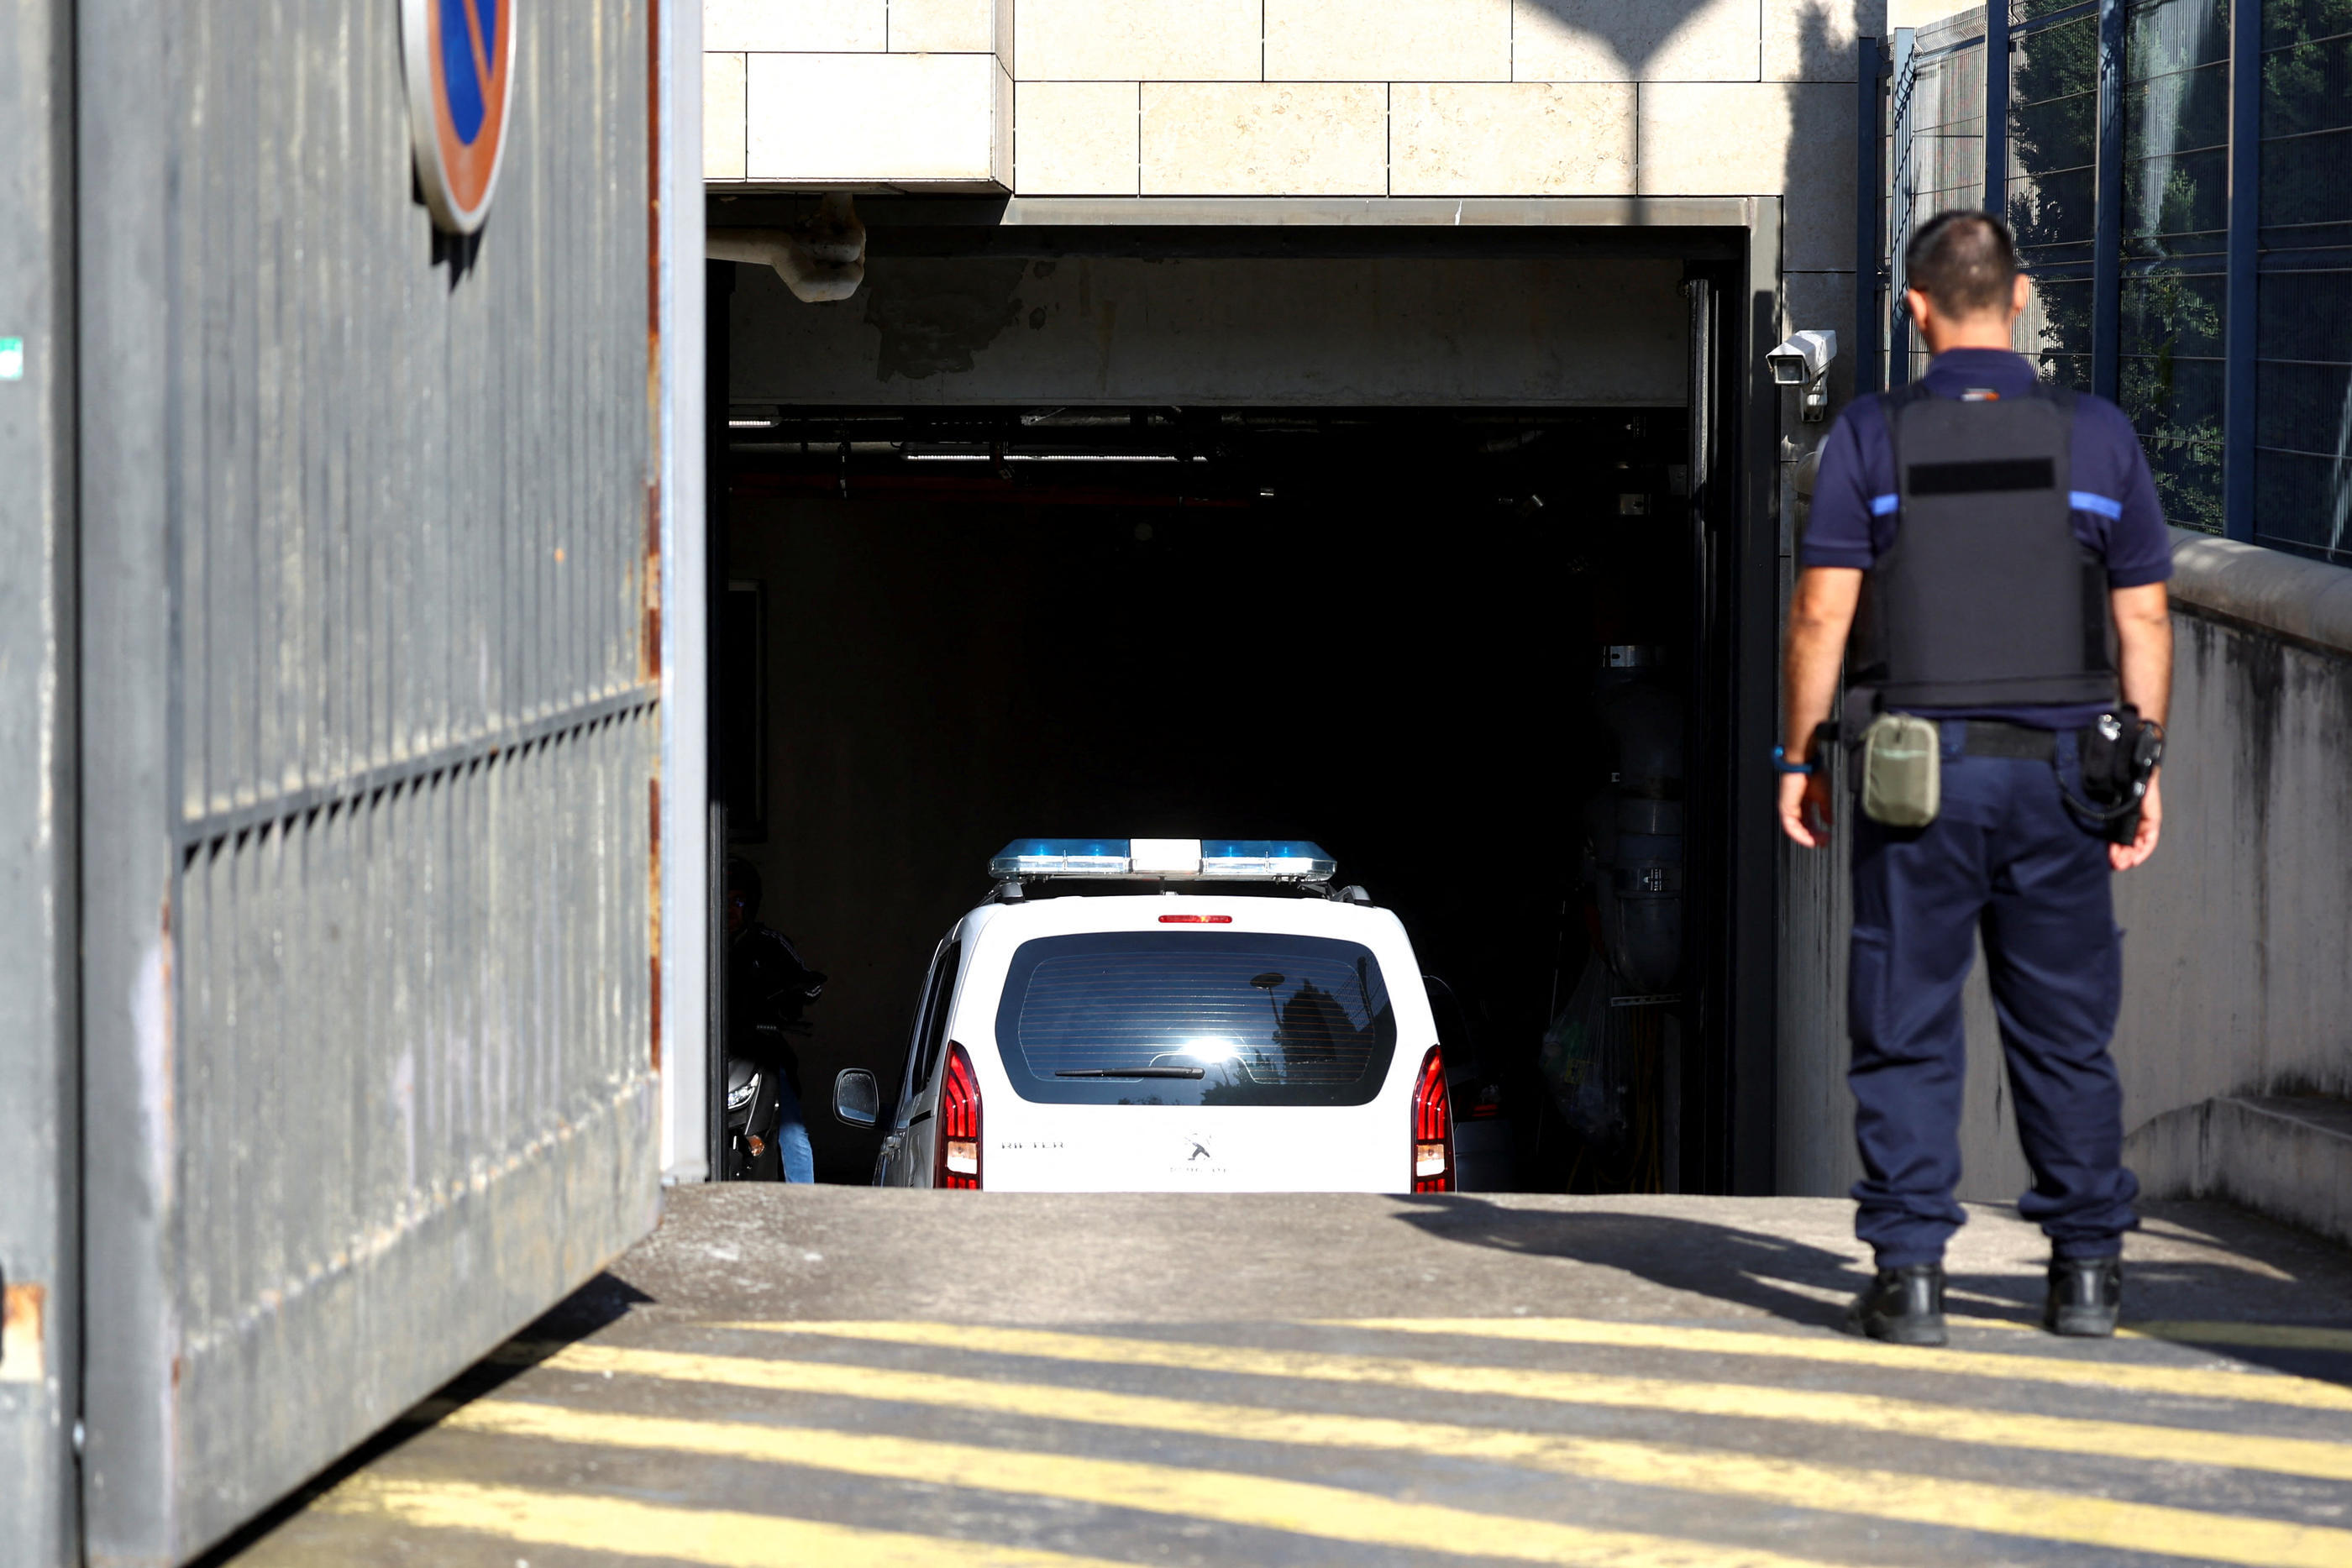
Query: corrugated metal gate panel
{"points": [[395, 497], [372, 931], [409, 1025]]}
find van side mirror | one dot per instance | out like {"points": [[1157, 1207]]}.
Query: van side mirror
{"points": [[856, 1097]]}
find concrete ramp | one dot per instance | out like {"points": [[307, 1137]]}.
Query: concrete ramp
{"points": [[845, 1376]]}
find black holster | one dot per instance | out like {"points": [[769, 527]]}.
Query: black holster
{"points": [[2120, 757]]}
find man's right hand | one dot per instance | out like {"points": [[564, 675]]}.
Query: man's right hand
{"points": [[1805, 807], [2123, 857]]}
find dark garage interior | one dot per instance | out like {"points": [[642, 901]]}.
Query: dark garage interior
{"points": [[1454, 647]]}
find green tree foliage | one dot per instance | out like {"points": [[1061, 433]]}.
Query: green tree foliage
{"points": [[2304, 334], [2175, 222], [2176, 109], [2053, 183]]}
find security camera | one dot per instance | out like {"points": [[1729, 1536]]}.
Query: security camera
{"points": [[1804, 361], [1804, 357]]}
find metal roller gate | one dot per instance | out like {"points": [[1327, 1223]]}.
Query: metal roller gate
{"points": [[369, 598]]}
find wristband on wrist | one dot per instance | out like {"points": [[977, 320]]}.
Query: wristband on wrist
{"points": [[1780, 763]]}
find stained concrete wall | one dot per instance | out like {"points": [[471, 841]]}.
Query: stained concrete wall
{"points": [[2239, 931], [1216, 331]]}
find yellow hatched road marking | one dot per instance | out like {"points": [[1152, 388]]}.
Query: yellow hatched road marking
{"points": [[1874, 1413], [2271, 1336], [1260, 1502], [1879, 1494], [624, 1528], [2191, 1382]]}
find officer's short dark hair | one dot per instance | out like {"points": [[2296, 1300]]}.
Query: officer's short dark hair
{"points": [[743, 877], [1963, 261]]}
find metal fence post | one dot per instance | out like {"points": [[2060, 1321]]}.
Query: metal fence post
{"points": [[2107, 249], [1996, 108], [2240, 306], [1901, 198], [1869, 198]]}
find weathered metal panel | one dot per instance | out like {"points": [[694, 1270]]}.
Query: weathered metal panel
{"points": [[415, 1087], [374, 735], [39, 1116]]}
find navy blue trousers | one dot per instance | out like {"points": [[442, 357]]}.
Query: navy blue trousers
{"points": [[2003, 858]]}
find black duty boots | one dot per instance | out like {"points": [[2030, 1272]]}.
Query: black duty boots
{"points": [[2086, 1294], [1905, 1305]]}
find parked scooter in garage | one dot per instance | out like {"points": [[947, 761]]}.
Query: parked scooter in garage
{"points": [[769, 988], [756, 1084], [751, 1106]]}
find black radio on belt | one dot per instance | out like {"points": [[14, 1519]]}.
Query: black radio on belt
{"points": [[2120, 757]]}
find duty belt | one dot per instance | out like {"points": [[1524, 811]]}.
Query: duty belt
{"points": [[1992, 737]]}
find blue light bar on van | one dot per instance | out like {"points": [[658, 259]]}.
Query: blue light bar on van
{"points": [[1061, 857], [1286, 860], [1238, 859]]}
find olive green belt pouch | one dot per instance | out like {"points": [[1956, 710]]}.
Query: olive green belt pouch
{"points": [[1902, 771]]}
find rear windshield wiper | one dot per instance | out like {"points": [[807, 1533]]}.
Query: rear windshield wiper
{"points": [[1132, 1072]]}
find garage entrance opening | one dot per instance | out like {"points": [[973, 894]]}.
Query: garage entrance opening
{"points": [[1454, 647]]}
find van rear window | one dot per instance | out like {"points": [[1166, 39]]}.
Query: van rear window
{"points": [[1196, 1018]]}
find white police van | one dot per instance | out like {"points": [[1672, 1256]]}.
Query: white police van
{"points": [[1167, 1015]]}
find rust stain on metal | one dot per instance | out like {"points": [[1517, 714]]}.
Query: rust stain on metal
{"points": [[649, 659], [24, 1356]]}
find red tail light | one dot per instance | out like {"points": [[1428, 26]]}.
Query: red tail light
{"points": [[957, 1163], [1432, 1127]]}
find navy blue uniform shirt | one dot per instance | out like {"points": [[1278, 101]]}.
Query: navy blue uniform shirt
{"points": [[2114, 510]]}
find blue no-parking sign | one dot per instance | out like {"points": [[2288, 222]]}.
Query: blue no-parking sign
{"points": [[459, 58]]}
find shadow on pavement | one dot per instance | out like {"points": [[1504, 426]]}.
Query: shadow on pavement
{"points": [[1745, 1267], [2276, 1276], [602, 1300], [2201, 1263]]}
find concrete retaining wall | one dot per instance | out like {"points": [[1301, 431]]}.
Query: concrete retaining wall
{"points": [[2289, 1156]]}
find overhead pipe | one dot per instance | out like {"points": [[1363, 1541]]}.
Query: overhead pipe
{"points": [[821, 258]]}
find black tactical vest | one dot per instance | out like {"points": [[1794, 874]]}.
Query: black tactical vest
{"points": [[1985, 598]]}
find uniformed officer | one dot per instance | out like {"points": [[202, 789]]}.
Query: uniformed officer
{"points": [[2002, 540]]}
